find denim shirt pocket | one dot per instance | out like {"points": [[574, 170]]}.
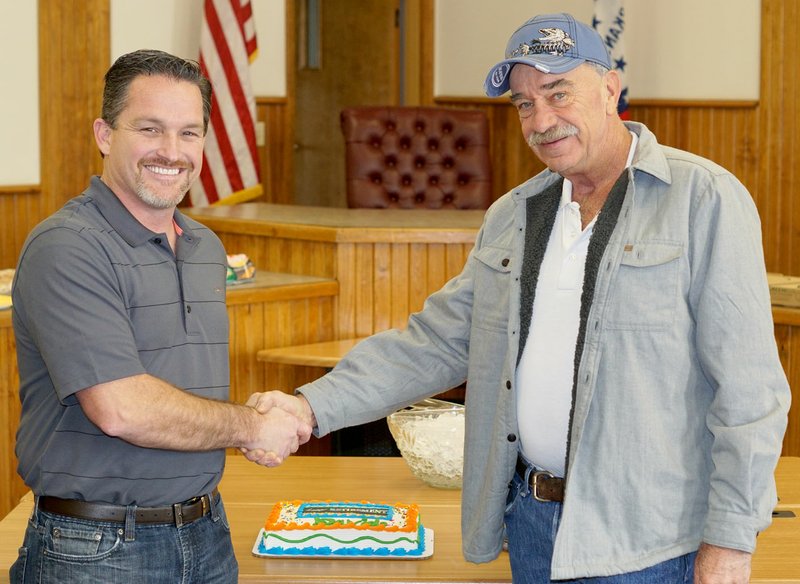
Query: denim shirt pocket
{"points": [[645, 292], [492, 277]]}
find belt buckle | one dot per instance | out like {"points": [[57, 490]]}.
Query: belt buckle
{"points": [[535, 476], [177, 512]]}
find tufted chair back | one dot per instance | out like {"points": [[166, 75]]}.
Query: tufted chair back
{"points": [[417, 157]]}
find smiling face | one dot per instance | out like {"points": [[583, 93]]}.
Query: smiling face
{"points": [[155, 150], [568, 119]]}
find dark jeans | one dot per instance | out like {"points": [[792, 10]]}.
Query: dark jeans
{"points": [[62, 550], [531, 527]]}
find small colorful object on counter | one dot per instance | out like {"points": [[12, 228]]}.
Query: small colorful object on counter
{"points": [[240, 269], [6, 277]]}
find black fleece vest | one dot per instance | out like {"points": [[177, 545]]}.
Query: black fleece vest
{"points": [[540, 217]]}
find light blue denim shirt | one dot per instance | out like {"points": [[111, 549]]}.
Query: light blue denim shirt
{"points": [[681, 401]]}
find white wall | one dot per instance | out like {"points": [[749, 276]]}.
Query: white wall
{"points": [[19, 100], [174, 26], [675, 49]]}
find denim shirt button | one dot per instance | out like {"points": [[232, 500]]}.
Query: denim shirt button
{"points": [[512, 437]]}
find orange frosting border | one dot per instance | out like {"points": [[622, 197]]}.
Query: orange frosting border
{"points": [[273, 524]]}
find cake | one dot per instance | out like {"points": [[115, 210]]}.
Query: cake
{"points": [[343, 529]]}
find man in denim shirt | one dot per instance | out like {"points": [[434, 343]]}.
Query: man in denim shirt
{"points": [[625, 401]]}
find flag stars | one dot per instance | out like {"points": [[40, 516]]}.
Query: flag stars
{"points": [[620, 64]]}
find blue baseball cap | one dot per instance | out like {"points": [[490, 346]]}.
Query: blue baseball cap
{"points": [[553, 43]]}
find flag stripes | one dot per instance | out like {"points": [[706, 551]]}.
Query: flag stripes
{"points": [[230, 171]]}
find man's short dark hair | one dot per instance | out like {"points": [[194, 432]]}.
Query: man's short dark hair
{"points": [[150, 62]]}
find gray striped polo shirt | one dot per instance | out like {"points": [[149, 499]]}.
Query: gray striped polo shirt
{"points": [[100, 297]]}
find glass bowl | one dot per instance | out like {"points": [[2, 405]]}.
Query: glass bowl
{"points": [[430, 437]]}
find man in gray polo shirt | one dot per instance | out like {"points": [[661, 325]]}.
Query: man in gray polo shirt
{"points": [[122, 342]]}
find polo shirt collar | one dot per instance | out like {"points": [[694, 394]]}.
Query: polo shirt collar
{"points": [[121, 220]]}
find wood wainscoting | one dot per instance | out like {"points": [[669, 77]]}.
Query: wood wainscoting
{"points": [[21, 208]]}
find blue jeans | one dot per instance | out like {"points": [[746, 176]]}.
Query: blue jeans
{"points": [[531, 527], [60, 549]]}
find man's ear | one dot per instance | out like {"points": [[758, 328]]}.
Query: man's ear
{"points": [[102, 135], [613, 87]]}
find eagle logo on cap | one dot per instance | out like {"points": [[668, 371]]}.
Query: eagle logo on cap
{"points": [[554, 42]]}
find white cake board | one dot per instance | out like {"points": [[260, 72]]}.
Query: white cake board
{"points": [[426, 553]]}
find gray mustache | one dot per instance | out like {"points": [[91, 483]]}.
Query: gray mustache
{"points": [[551, 135]]}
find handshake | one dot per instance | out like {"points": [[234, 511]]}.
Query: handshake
{"points": [[285, 422]]}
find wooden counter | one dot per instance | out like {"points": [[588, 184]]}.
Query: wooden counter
{"points": [[11, 486], [268, 313], [249, 492], [387, 261], [787, 479]]}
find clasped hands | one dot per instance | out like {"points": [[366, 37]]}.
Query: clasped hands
{"points": [[285, 423]]}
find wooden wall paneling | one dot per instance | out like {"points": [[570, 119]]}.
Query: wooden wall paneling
{"points": [[347, 274], [20, 211], [383, 288], [276, 155], [436, 276], [417, 276], [779, 127], [246, 338], [254, 327], [263, 325], [365, 292], [401, 279], [74, 54]]}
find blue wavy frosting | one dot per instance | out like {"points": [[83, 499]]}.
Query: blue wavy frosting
{"points": [[344, 552]]}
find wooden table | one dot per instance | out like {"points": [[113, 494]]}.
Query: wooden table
{"points": [[249, 492], [326, 354]]}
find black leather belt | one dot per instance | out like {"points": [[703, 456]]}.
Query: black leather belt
{"points": [[179, 513], [544, 486]]}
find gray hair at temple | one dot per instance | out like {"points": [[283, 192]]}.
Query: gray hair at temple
{"points": [[150, 62]]}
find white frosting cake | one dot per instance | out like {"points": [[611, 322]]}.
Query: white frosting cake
{"points": [[342, 528]]}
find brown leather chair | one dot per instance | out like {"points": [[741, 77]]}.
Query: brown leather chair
{"points": [[417, 157]]}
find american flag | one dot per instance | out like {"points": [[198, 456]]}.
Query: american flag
{"points": [[228, 45], [609, 22]]}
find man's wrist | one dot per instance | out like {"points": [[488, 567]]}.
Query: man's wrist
{"points": [[308, 413]]}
